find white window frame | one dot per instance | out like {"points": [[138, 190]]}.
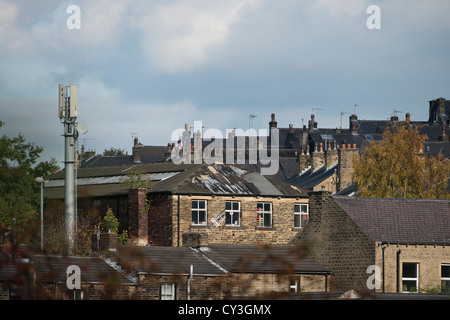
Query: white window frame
{"points": [[416, 279], [446, 279], [165, 294], [198, 210], [301, 214], [233, 212], [294, 285], [73, 295], [261, 215]]}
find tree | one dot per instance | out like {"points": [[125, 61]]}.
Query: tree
{"points": [[396, 167], [19, 192], [136, 179]]}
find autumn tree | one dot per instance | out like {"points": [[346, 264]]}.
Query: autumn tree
{"points": [[396, 167], [19, 167]]}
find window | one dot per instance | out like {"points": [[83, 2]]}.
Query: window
{"points": [[293, 286], [167, 291], [300, 215], [445, 278], [264, 214], [232, 213], [410, 277], [199, 212], [73, 295]]}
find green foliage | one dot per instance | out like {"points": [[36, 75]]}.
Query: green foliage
{"points": [[396, 167], [19, 192], [136, 179], [111, 224]]}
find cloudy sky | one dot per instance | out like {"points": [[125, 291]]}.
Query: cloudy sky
{"points": [[146, 68]]}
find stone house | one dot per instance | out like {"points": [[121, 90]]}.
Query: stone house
{"points": [[404, 244], [229, 204], [197, 271], [29, 276], [201, 271]]}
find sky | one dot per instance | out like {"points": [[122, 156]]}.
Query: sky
{"points": [[146, 68]]}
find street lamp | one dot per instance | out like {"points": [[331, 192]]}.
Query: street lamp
{"points": [[42, 181]]}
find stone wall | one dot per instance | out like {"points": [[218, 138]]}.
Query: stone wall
{"points": [[347, 155], [337, 243], [138, 216], [282, 230], [429, 257]]}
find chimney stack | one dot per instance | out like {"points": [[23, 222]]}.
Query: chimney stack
{"points": [[136, 151], [318, 157], [195, 239], [346, 156], [273, 124], [138, 216]]}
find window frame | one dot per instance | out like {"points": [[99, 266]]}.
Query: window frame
{"points": [[172, 295], [446, 288], [233, 212], [300, 215], [263, 213], [75, 294], [197, 211], [410, 279]]}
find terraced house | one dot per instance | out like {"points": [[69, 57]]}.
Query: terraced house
{"points": [[229, 204]]}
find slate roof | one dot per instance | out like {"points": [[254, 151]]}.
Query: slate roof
{"points": [[225, 180], [106, 181], [53, 269], [166, 261], [311, 178], [249, 258], [412, 221], [218, 260], [148, 154]]}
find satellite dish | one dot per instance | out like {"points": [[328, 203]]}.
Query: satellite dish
{"points": [[82, 128]]}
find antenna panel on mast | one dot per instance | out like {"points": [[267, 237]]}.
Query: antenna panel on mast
{"points": [[73, 106], [60, 101]]}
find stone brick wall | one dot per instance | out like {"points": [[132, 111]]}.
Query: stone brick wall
{"points": [[201, 288], [160, 226], [138, 216], [347, 154], [429, 257], [337, 243], [282, 230]]}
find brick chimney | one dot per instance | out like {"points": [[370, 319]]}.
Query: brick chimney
{"points": [[273, 124], [137, 151], [318, 157], [331, 154], [346, 156], [103, 241], [138, 216], [303, 159], [353, 119], [195, 239]]}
